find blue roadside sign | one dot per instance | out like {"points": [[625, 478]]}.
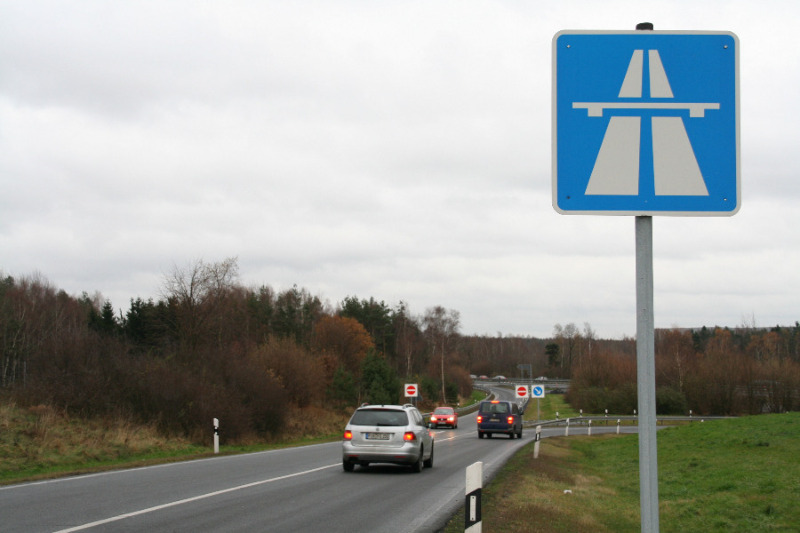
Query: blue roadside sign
{"points": [[646, 123]]}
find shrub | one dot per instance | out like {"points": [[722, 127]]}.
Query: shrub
{"points": [[670, 401]]}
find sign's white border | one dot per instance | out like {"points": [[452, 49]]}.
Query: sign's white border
{"points": [[554, 132]]}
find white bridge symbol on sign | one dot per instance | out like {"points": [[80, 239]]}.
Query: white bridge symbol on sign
{"points": [[675, 168]]}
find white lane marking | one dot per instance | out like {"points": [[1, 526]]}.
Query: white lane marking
{"points": [[189, 500], [176, 464], [461, 435]]}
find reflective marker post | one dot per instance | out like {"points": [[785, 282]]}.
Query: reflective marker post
{"points": [[216, 435], [472, 505], [536, 440]]}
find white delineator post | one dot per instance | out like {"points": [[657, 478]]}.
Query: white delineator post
{"points": [[536, 445], [472, 505], [216, 435]]}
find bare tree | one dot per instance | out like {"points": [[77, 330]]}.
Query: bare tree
{"points": [[674, 355], [197, 292], [441, 326], [567, 338]]}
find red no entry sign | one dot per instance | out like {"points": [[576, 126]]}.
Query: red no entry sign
{"points": [[411, 390], [522, 391]]}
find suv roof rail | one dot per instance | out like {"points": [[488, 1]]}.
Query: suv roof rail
{"points": [[408, 405]]}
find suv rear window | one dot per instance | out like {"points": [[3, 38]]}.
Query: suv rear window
{"points": [[379, 417]]}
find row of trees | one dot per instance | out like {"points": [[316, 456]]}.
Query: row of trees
{"points": [[210, 347], [719, 371]]}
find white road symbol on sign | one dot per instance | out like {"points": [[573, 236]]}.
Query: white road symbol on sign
{"points": [[616, 169]]}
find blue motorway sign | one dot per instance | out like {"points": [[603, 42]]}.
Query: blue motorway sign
{"points": [[646, 123]]}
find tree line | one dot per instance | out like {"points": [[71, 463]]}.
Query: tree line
{"points": [[211, 347], [711, 371]]}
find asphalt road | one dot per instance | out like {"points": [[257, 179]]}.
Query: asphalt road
{"points": [[296, 489]]}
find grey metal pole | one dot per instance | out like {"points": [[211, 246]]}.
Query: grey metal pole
{"points": [[646, 375]]}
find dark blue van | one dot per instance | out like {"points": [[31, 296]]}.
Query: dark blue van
{"points": [[499, 417]]}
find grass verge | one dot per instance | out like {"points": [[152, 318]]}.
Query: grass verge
{"points": [[40, 442], [727, 475], [547, 408]]}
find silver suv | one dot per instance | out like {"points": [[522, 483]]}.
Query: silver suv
{"points": [[387, 434]]}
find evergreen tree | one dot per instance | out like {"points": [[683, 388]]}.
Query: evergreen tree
{"points": [[379, 384], [343, 391]]}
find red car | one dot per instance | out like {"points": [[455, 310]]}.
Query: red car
{"points": [[444, 416]]}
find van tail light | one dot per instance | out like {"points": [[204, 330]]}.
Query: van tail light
{"points": [[510, 420], [409, 436], [480, 419], [348, 435]]}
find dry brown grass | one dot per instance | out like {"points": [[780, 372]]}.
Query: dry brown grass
{"points": [[40, 439], [314, 422]]}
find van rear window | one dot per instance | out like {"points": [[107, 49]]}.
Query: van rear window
{"points": [[488, 407]]}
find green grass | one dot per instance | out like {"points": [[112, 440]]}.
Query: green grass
{"points": [[477, 396], [726, 475], [548, 407]]}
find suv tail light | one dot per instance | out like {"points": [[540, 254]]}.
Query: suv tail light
{"points": [[348, 435], [480, 419], [409, 436], [511, 420]]}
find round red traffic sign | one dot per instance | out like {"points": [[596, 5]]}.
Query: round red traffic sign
{"points": [[522, 391], [411, 389]]}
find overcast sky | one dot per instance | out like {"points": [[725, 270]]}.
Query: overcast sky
{"points": [[388, 149]]}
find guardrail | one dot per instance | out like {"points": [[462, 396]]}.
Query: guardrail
{"points": [[549, 384], [467, 409], [587, 420]]}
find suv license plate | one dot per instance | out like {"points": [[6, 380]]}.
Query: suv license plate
{"points": [[377, 436]]}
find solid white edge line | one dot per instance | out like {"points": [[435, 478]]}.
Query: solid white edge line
{"points": [[189, 500], [175, 464]]}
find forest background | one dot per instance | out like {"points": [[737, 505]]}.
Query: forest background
{"points": [[254, 357]]}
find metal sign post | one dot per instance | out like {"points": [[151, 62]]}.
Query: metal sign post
{"points": [[646, 375]]}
